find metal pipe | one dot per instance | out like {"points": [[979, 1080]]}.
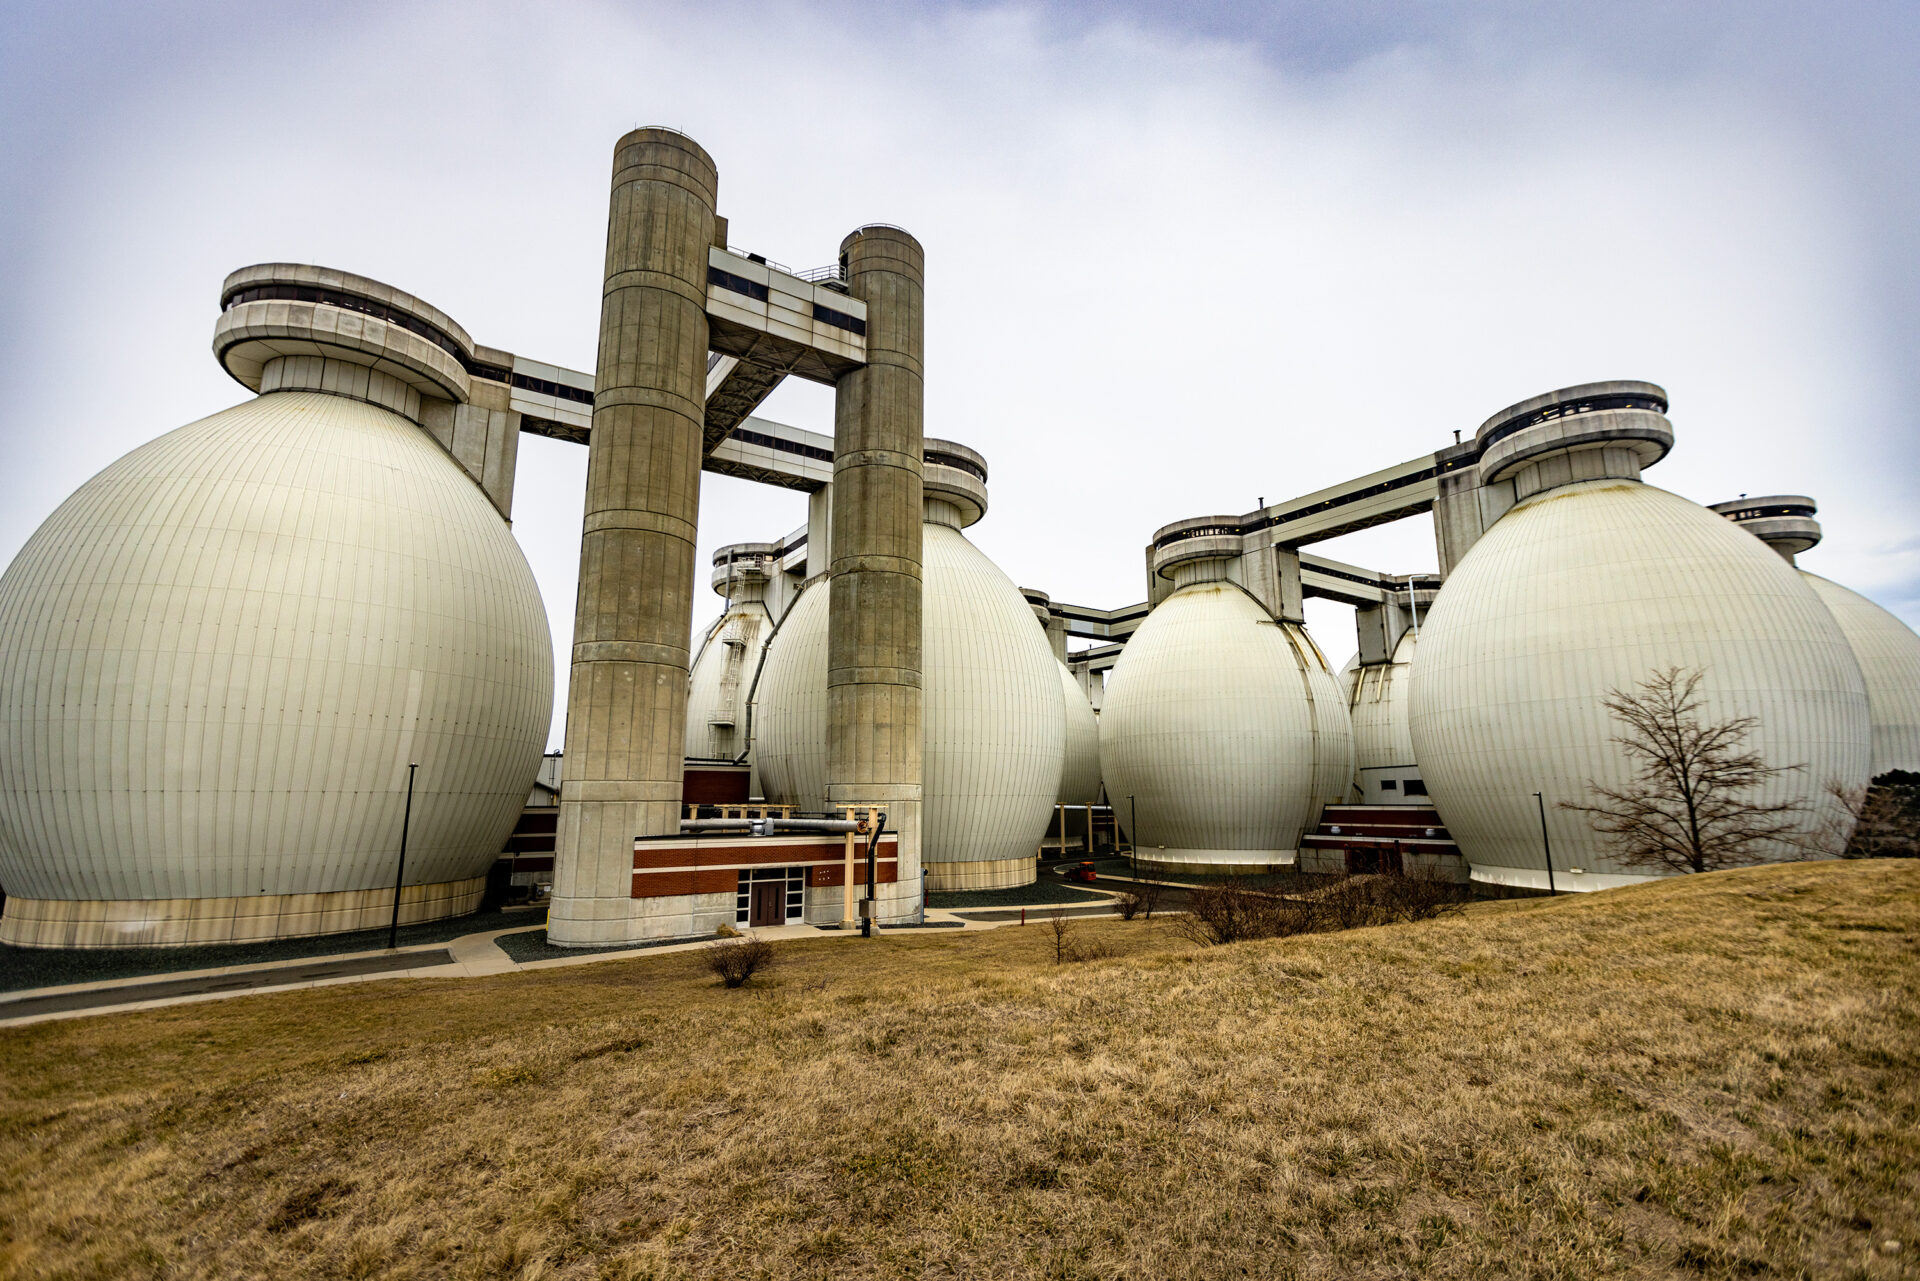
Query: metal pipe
{"points": [[1544, 843], [400, 873], [767, 826], [866, 919]]}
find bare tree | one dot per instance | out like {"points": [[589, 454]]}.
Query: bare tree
{"points": [[1691, 806], [1062, 926], [734, 961]]}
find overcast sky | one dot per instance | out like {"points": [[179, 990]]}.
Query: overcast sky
{"points": [[1179, 256]]}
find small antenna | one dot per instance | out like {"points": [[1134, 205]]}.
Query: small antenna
{"points": [[1456, 435]]}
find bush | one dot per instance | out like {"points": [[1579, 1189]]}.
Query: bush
{"points": [[1141, 900], [1067, 947], [735, 961], [1233, 911]]}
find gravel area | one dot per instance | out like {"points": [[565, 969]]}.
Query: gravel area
{"points": [[28, 967]]}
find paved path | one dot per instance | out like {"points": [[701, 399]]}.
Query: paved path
{"points": [[469, 956], [220, 983]]}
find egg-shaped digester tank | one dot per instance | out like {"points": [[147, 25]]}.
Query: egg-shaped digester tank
{"points": [[216, 661], [1887, 649], [219, 656], [723, 671], [1590, 584], [1222, 731], [1080, 773], [1384, 765], [1889, 655], [994, 718]]}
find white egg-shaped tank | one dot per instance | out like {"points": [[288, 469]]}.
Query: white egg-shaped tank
{"points": [[1590, 584], [790, 705], [1887, 649], [1080, 773], [994, 719], [722, 676], [1222, 731], [1889, 655], [217, 659], [1377, 701]]}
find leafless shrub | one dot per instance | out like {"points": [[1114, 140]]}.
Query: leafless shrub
{"points": [[734, 961], [1067, 945], [1418, 895], [1150, 892], [1129, 903], [1232, 911], [1689, 807]]}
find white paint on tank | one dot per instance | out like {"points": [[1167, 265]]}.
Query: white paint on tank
{"points": [[721, 679], [1382, 745], [219, 655], [995, 724], [1224, 731], [1889, 656], [1589, 588], [1080, 775]]}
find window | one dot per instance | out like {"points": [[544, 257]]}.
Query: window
{"points": [[1416, 788], [839, 320], [1389, 785], [738, 284]]}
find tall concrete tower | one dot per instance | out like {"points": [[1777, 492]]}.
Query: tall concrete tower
{"points": [[873, 646], [627, 705]]}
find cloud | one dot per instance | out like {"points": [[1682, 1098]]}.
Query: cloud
{"points": [[1177, 259]]}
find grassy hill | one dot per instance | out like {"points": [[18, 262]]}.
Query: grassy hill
{"points": [[1717, 1076]]}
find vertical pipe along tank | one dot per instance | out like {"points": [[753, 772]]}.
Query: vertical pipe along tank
{"points": [[723, 671]]}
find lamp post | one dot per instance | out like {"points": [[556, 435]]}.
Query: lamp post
{"points": [[1545, 845], [406, 818], [1133, 833]]}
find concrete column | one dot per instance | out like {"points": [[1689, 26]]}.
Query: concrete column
{"points": [[627, 707], [873, 629]]}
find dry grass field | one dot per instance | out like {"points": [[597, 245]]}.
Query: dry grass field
{"points": [[1713, 1077]]}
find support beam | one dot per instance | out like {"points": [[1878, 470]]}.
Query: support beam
{"points": [[874, 728], [627, 705]]}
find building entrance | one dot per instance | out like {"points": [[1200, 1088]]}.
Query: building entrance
{"points": [[769, 906]]}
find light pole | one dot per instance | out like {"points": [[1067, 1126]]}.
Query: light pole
{"points": [[1544, 843], [1133, 833], [406, 818]]}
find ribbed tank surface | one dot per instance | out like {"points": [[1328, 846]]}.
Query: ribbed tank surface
{"points": [[1223, 731], [1889, 654], [1377, 697], [790, 705], [721, 679], [1080, 776], [219, 655], [995, 720], [1592, 588]]}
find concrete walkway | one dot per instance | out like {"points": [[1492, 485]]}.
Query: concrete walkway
{"points": [[469, 956]]}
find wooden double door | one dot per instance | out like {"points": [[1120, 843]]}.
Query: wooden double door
{"points": [[768, 903]]}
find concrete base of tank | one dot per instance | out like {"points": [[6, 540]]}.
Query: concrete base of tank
{"points": [[1528, 880], [987, 874], [191, 922], [1215, 862]]}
